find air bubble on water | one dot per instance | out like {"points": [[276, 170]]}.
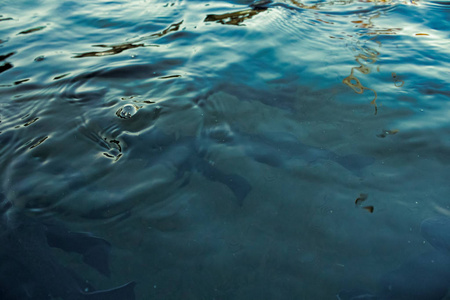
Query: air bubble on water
{"points": [[127, 111]]}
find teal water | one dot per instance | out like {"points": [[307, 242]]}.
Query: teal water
{"points": [[251, 132]]}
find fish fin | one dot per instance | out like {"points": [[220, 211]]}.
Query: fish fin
{"points": [[270, 159], [124, 292], [236, 183], [436, 230], [185, 182], [95, 251], [356, 294], [354, 162]]}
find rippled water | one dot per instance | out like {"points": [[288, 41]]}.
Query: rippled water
{"points": [[221, 146]]}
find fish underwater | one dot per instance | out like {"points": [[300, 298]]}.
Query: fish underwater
{"points": [[424, 277], [278, 149], [29, 270], [185, 156]]}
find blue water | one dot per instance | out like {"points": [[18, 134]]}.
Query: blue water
{"points": [[250, 133]]}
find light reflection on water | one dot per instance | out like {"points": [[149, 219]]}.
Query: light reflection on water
{"points": [[255, 129]]}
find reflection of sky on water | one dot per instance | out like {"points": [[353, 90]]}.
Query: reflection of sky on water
{"points": [[126, 119]]}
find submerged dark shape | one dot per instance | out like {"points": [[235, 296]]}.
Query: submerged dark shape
{"points": [[29, 270], [436, 231], [278, 149], [185, 154], [356, 294], [424, 277], [95, 251]]}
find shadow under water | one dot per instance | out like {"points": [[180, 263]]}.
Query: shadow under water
{"points": [[423, 277], [29, 270], [224, 149]]}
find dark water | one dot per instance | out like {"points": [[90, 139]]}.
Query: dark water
{"points": [[255, 130]]}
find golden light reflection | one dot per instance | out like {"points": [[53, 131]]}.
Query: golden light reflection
{"points": [[40, 141], [367, 56], [368, 24], [304, 6], [397, 82], [320, 5]]}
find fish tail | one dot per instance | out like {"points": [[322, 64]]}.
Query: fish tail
{"points": [[236, 183], [124, 292]]}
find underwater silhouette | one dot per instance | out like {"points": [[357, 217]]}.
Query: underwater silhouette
{"points": [[185, 155], [424, 277], [30, 270], [278, 149]]}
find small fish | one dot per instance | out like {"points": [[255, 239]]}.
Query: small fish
{"points": [[362, 197], [29, 270]]}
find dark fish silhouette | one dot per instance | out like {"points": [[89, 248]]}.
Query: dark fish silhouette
{"points": [[278, 149], [29, 270], [186, 155], [425, 277], [356, 294]]}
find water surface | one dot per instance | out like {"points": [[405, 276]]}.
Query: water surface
{"points": [[221, 146]]}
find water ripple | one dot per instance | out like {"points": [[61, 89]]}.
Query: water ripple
{"points": [[225, 142]]}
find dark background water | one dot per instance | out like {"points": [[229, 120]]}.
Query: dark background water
{"points": [[309, 103]]}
